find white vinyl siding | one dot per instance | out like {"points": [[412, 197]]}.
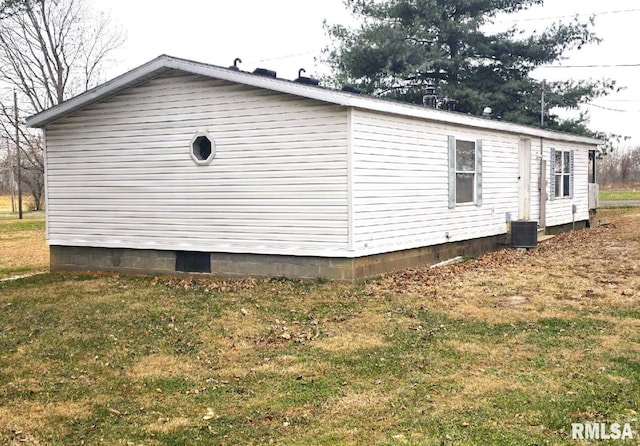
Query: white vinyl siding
{"points": [[401, 183], [120, 172], [290, 176], [560, 209]]}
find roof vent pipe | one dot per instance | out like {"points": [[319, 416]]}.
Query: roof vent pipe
{"points": [[264, 72], [236, 61], [304, 79], [450, 104], [430, 99]]}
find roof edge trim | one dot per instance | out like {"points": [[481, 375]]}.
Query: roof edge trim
{"points": [[341, 98], [95, 94]]}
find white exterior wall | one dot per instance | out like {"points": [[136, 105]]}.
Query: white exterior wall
{"points": [[119, 173], [559, 210], [535, 180], [400, 183]]}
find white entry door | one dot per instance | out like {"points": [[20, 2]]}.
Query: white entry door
{"points": [[524, 179]]}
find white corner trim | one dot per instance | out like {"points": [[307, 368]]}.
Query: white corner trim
{"points": [[350, 182]]}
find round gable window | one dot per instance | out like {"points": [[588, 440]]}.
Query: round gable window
{"points": [[203, 148]]}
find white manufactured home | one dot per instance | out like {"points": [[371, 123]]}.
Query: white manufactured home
{"points": [[183, 166]]}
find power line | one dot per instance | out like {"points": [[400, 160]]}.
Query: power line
{"points": [[612, 109], [286, 56], [534, 19], [619, 65], [620, 11]]}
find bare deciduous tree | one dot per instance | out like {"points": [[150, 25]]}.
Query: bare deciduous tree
{"points": [[55, 50], [625, 167], [620, 168], [50, 50], [11, 7]]}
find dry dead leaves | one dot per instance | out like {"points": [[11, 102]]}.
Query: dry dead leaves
{"points": [[207, 284], [295, 331], [609, 254]]}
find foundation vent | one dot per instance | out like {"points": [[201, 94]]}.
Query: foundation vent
{"points": [[193, 262]]}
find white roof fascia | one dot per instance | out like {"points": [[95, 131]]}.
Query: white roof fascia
{"points": [[162, 63], [371, 103], [98, 93], [431, 114], [337, 97], [269, 83]]}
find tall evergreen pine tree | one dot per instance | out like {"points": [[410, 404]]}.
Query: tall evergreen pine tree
{"points": [[403, 46]]}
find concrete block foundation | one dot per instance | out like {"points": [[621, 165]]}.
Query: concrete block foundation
{"points": [[135, 261], [138, 261], [555, 230]]}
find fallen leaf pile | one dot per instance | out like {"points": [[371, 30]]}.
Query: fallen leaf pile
{"points": [[426, 280]]}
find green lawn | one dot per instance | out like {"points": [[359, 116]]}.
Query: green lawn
{"points": [[5, 204], [23, 248], [507, 349], [619, 194]]}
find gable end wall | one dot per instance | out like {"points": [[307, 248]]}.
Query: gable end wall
{"points": [[120, 175]]}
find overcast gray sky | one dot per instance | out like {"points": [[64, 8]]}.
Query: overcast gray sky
{"points": [[285, 35]]}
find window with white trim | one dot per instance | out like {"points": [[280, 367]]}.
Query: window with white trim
{"points": [[202, 148], [465, 171], [562, 173]]}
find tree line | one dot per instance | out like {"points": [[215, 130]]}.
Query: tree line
{"points": [[401, 48], [620, 168], [50, 51]]}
